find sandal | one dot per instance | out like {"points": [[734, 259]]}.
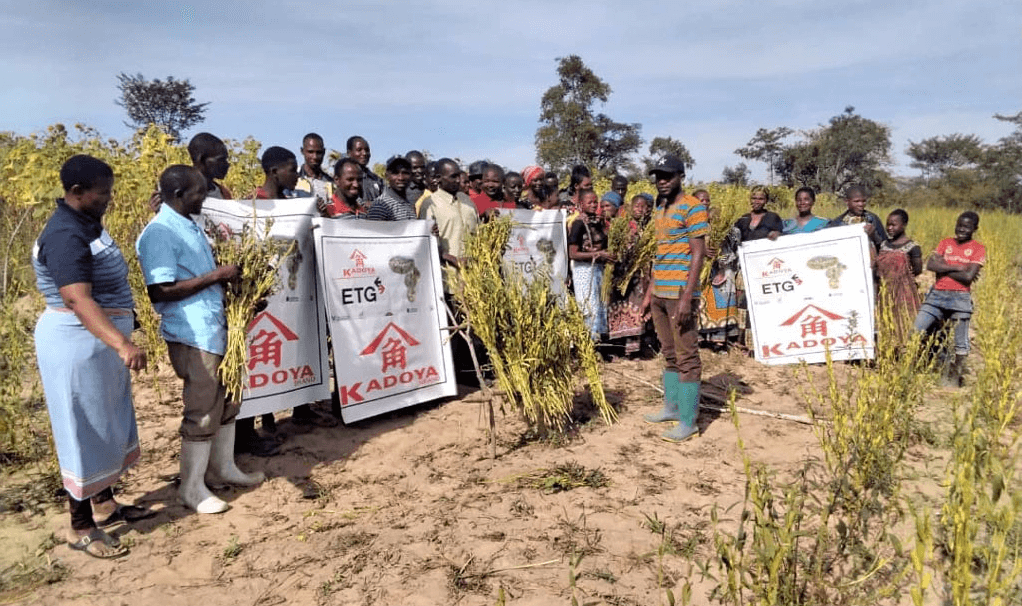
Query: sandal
{"points": [[126, 513], [89, 545]]}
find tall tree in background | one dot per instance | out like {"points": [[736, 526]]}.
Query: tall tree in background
{"points": [[663, 146], [850, 149], [935, 156], [739, 175], [766, 146], [572, 132], [168, 103]]}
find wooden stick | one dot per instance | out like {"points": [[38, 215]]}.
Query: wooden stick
{"points": [[521, 567], [465, 334], [714, 408]]}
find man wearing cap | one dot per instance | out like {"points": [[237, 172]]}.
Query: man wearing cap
{"points": [[682, 225], [392, 205], [475, 177]]}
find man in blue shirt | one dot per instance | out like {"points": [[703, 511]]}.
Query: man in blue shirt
{"points": [[186, 288]]}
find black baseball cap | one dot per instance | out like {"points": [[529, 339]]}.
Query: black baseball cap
{"points": [[669, 164], [477, 168]]}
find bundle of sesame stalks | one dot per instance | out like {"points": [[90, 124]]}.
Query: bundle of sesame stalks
{"points": [[724, 213], [258, 256], [619, 244], [536, 341], [638, 259]]}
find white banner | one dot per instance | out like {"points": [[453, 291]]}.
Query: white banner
{"points": [[539, 241], [384, 302], [808, 293], [287, 349]]}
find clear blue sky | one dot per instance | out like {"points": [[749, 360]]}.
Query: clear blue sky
{"points": [[464, 78]]}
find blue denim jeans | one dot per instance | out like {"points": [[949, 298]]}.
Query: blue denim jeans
{"points": [[941, 305]]}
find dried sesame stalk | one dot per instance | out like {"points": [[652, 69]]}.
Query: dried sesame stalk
{"points": [[258, 256]]}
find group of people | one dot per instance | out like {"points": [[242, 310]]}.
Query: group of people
{"points": [[89, 306]]}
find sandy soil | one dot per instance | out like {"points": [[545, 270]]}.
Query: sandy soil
{"points": [[409, 509]]}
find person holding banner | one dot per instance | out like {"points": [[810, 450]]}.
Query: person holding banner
{"points": [[346, 201], [682, 225], [186, 288], [281, 168], [856, 199], [805, 222], [514, 185], [391, 204], [759, 222], [453, 212]]}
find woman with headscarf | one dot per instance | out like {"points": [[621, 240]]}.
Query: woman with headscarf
{"points": [[535, 192], [626, 319], [720, 317], [85, 355]]}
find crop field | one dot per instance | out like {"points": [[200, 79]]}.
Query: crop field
{"points": [[884, 489]]}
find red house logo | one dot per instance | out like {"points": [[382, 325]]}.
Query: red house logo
{"points": [[265, 346], [359, 270], [774, 267], [813, 320], [392, 343], [359, 258]]}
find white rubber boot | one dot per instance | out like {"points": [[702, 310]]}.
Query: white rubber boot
{"points": [[222, 469], [193, 491]]}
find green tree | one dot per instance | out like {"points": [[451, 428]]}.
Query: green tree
{"points": [[849, 149], [766, 146], [935, 156], [663, 146], [572, 132], [738, 175], [168, 103]]}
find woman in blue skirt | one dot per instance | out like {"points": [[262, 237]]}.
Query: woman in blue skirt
{"points": [[85, 354]]}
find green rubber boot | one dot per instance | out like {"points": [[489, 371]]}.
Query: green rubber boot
{"points": [[669, 413], [688, 411]]}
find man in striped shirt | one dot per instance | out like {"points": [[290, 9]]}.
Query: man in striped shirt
{"points": [[682, 225]]}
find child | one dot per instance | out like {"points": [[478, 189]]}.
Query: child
{"points": [[898, 263], [956, 263]]}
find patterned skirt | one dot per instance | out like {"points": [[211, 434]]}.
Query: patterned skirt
{"points": [[588, 280], [88, 396]]}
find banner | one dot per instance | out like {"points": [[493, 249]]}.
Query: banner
{"points": [[384, 303], [287, 348], [539, 241], [808, 293]]}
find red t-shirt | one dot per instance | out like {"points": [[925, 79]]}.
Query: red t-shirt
{"points": [[953, 252], [484, 202], [339, 207]]}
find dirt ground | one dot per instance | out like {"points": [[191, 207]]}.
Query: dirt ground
{"points": [[409, 509]]}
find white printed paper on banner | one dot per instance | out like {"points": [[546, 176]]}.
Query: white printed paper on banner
{"points": [[808, 293], [384, 302], [287, 349], [539, 242]]}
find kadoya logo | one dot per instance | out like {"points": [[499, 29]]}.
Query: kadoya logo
{"points": [[392, 344]]}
